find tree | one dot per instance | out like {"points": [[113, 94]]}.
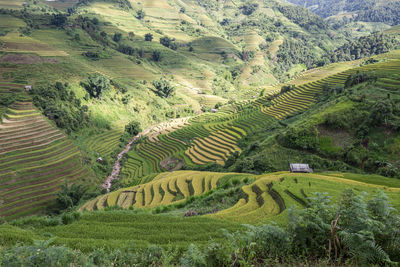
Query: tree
{"points": [[287, 88], [148, 37], [95, 84], [248, 8], [133, 128], [68, 197], [131, 35], [182, 10], [140, 14], [59, 20], [164, 88], [360, 77], [117, 37], [381, 112], [156, 55], [165, 41]]}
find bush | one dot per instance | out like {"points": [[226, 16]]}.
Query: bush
{"points": [[381, 113], [193, 257], [8, 99]]}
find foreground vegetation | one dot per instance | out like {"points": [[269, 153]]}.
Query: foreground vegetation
{"points": [[357, 229]]}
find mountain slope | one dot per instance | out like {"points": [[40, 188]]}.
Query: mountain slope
{"points": [[362, 10], [35, 160], [213, 138]]}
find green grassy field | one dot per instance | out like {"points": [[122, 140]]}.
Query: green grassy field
{"points": [[121, 229]]}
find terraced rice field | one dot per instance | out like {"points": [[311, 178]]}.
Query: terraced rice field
{"points": [[164, 189], [35, 160], [268, 197], [213, 137], [303, 96], [167, 127], [10, 88], [105, 143]]}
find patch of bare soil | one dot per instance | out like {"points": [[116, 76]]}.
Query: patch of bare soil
{"points": [[26, 59], [340, 137], [171, 164]]}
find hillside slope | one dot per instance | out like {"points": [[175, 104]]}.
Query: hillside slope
{"points": [[361, 10], [214, 138], [35, 160]]}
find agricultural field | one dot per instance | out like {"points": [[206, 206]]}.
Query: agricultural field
{"points": [[103, 144], [121, 229], [213, 138], [35, 160], [265, 197]]}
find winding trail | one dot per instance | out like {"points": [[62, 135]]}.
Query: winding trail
{"points": [[117, 165]]}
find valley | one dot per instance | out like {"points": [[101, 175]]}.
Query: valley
{"points": [[160, 133]]}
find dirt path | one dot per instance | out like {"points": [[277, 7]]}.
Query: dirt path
{"points": [[117, 165]]}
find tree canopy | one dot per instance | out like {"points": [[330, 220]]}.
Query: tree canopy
{"points": [[163, 88], [95, 84]]}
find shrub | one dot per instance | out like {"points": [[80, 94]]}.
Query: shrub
{"points": [[173, 46], [193, 257], [381, 113]]}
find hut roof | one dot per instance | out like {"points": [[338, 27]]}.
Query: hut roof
{"points": [[300, 167]]}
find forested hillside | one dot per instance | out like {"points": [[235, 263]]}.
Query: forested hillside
{"points": [[359, 10]]}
